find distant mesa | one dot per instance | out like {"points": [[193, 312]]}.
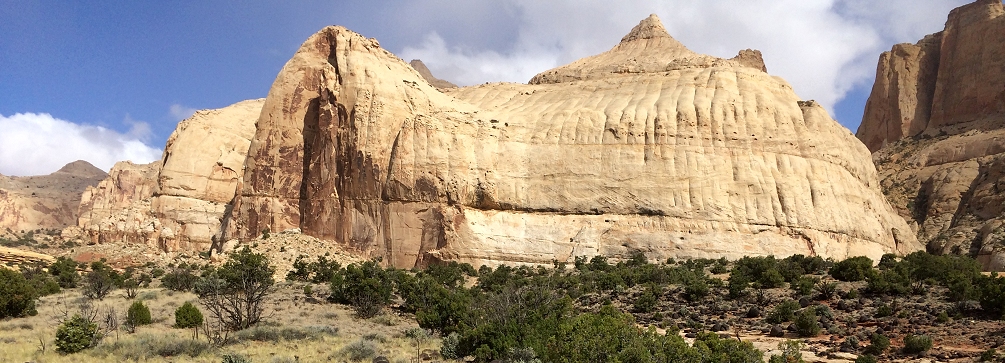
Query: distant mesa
{"points": [[428, 76], [45, 201]]}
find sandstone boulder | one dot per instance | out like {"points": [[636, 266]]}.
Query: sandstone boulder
{"points": [[647, 147]]}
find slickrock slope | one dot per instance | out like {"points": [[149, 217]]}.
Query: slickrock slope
{"points": [[936, 121], [181, 201], [428, 76], [646, 147], [45, 201]]}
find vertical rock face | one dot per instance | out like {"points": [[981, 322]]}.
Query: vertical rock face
{"points": [[647, 147], [45, 201], [949, 82], [936, 122], [118, 208], [181, 201]]}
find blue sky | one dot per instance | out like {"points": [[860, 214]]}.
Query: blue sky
{"points": [[119, 75]]}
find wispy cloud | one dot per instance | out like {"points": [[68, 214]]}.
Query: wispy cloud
{"points": [[180, 112], [37, 144], [824, 48]]}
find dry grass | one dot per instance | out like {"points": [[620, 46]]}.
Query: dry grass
{"points": [[292, 329]]}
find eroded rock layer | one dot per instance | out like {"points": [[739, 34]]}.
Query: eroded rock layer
{"points": [[181, 201], [45, 201], [935, 121], [647, 147]]}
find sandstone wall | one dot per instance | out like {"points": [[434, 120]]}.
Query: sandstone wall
{"points": [[697, 157], [935, 122], [947, 83]]}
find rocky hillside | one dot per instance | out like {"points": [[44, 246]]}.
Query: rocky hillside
{"points": [[647, 147], [936, 121], [45, 201]]}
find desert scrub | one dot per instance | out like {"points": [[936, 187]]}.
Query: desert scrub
{"points": [[783, 312], [76, 334], [138, 314], [914, 344], [146, 346], [359, 350]]}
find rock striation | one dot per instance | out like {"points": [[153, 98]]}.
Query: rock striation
{"points": [[935, 123], [45, 201], [647, 147], [182, 201]]}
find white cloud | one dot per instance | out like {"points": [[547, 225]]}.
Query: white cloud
{"points": [[37, 144], [823, 48], [180, 112]]}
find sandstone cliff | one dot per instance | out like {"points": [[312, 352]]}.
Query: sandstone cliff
{"points": [[181, 201], [648, 147], [45, 201], [936, 121]]}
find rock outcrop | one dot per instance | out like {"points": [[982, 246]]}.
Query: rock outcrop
{"points": [[936, 121], [181, 201], [428, 76], [647, 147], [948, 83], [45, 201]]}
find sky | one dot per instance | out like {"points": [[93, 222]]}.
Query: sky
{"points": [[109, 81]]}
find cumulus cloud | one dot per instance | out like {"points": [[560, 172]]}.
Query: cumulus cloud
{"points": [[824, 48], [37, 144]]}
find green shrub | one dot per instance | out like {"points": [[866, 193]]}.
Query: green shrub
{"points": [[783, 312], [989, 355], [138, 314], [234, 293], [76, 334], [914, 344], [803, 286], [179, 279], [646, 302], [65, 271], [187, 316], [99, 281], [762, 271], [791, 352], [878, 344], [17, 295], [449, 346], [366, 287], [853, 269], [695, 286], [991, 290], [883, 311], [806, 323]]}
